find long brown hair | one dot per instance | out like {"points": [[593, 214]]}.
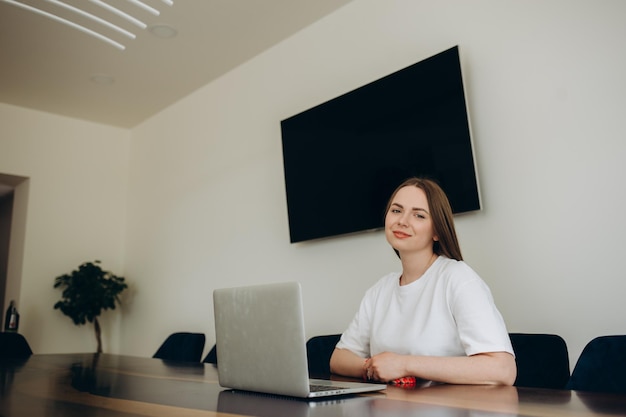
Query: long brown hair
{"points": [[441, 214]]}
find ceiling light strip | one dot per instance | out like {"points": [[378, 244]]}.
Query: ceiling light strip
{"points": [[93, 17], [120, 13], [67, 22], [168, 2], [145, 7]]}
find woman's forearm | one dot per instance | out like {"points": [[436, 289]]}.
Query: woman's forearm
{"points": [[347, 363], [496, 368]]}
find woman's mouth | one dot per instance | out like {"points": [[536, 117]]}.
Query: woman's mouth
{"points": [[400, 235]]}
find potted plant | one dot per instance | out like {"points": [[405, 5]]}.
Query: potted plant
{"points": [[86, 292]]}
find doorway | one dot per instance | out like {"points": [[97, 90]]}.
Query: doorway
{"points": [[13, 203]]}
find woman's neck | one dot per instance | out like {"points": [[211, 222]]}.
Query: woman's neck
{"points": [[415, 265]]}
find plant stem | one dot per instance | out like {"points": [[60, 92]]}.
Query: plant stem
{"points": [[98, 332]]}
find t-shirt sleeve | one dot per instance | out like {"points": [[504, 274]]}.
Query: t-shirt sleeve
{"points": [[356, 338], [480, 325]]}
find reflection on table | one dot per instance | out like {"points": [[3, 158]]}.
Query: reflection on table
{"points": [[112, 385]]}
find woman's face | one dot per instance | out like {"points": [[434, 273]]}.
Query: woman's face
{"points": [[408, 224]]}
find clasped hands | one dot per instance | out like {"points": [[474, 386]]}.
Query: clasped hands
{"points": [[385, 367]]}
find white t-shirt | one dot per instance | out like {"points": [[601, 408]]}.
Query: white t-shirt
{"points": [[449, 311]]}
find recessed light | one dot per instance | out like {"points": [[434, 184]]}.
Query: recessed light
{"points": [[163, 31], [102, 79]]}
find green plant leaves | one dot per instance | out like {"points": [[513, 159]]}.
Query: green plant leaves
{"points": [[87, 291]]}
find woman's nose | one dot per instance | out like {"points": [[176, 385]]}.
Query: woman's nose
{"points": [[403, 220]]}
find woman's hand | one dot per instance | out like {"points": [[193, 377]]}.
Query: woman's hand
{"points": [[385, 367]]}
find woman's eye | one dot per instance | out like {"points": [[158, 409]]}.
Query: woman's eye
{"points": [[420, 216], [395, 210]]}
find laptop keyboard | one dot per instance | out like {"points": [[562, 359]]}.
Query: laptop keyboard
{"points": [[322, 388]]}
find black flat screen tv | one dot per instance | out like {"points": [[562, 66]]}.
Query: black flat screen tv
{"points": [[343, 158]]}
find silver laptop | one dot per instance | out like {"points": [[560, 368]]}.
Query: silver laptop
{"points": [[261, 345]]}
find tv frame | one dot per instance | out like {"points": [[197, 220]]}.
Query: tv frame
{"points": [[428, 85]]}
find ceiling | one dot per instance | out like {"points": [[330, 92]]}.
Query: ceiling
{"points": [[49, 66]]}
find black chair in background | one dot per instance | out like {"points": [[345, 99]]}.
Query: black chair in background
{"points": [[318, 352], [14, 345], [211, 357], [182, 347], [601, 366], [542, 360]]}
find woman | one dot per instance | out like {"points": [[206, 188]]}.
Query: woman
{"points": [[436, 320]]}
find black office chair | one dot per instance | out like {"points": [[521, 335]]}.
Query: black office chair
{"points": [[182, 347], [318, 352], [601, 366], [14, 345], [542, 360], [211, 357]]}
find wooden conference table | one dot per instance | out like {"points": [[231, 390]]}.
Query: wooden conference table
{"points": [[104, 385]]}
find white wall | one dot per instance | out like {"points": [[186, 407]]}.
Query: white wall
{"points": [[75, 212], [546, 87]]}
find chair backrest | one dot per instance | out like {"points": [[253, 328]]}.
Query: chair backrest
{"points": [[182, 347], [318, 351], [14, 345], [211, 357], [542, 360], [601, 366]]}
